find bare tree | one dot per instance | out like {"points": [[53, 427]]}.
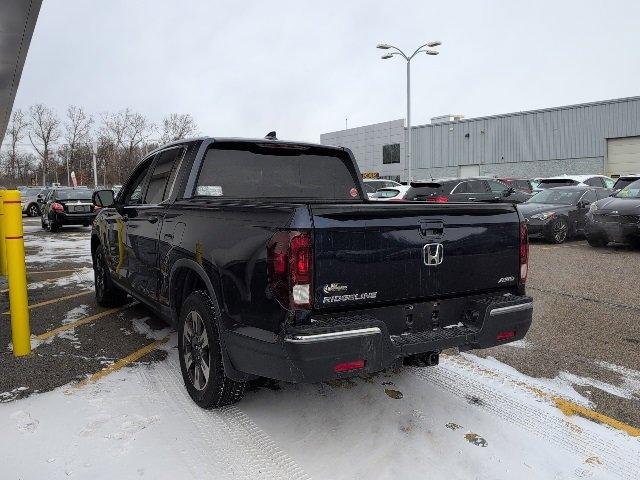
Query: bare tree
{"points": [[44, 133], [177, 126], [125, 132], [16, 131], [77, 135]]}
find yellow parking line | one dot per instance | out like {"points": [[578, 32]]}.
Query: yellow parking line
{"points": [[567, 407], [55, 300], [82, 321], [123, 362]]}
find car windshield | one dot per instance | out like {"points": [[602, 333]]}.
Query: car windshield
{"points": [[624, 181], [556, 196], [630, 191], [29, 192], [73, 194]]}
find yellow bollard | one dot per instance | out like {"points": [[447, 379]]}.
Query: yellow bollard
{"points": [[3, 250], [17, 274]]}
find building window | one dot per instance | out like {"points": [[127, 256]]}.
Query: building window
{"points": [[391, 153]]}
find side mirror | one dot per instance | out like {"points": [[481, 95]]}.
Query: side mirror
{"points": [[103, 198]]}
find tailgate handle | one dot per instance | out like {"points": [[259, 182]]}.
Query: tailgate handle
{"points": [[431, 228]]}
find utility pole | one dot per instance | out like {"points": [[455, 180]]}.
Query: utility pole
{"points": [[68, 172], [94, 149], [408, 58]]}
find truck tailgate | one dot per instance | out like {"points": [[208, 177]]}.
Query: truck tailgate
{"points": [[383, 253]]}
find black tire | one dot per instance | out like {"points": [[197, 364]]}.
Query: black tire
{"points": [[215, 389], [33, 210], [108, 294], [597, 241], [558, 231], [54, 227]]}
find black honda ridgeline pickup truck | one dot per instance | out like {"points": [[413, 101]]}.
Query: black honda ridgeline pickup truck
{"points": [[271, 261]]}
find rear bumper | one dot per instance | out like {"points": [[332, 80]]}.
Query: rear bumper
{"points": [[72, 218], [309, 354]]}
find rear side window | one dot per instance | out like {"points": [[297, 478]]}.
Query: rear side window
{"points": [[387, 193], [273, 171], [522, 185], [477, 186], [594, 182], [162, 176]]}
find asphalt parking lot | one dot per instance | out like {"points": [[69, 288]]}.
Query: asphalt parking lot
{"points": [[516, 399], [585, 329]]}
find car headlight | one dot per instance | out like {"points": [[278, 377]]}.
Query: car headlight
{"points": [[543, 215], [593, 207]]}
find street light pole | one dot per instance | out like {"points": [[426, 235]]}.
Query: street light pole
{"points": [[409, 157], [408, 58]]}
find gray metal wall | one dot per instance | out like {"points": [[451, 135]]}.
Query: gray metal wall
{"points": [[552, 141]]}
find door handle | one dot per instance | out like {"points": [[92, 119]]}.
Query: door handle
{"points": [[152, 219], [472, 198]]}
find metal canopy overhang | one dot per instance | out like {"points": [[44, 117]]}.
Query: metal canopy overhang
{"points": [[17, 21]]}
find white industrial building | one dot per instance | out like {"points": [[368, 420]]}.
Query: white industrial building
{"points": [[589, 138]]}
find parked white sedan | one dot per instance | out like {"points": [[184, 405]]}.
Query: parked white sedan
{"points": [[390, 193]]}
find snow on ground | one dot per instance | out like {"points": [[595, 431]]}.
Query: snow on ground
{"points": [[50, 248], [83, 277], [467, 418]]}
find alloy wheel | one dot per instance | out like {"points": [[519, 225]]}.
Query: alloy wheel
{"points": [[560, 229], [196, 351]]}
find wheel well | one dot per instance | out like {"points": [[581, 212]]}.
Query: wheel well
{"points": [[184, 282]]}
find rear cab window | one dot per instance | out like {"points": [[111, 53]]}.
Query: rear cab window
{"points": [[275, 170]]}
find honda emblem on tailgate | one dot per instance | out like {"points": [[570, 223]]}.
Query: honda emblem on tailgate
{"points": [[432, 253]]}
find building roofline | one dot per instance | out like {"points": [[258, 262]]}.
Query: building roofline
{"points": [[529, 112], [361, 126]]}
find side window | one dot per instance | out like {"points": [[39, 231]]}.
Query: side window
{"points": [[463, 187], [132, 194], [589, 197], [594, 182], [162, 176], [477, 186], [608, 182], [496, 187]]}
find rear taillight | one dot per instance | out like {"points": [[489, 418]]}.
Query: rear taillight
{"points": [[290, 268], [438, 199], [57, 207], [524, 252]]}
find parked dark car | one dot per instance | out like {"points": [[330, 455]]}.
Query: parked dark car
{"points": [[559, 213], [521, 184], [271, 261], [464, 190], [67, 206], [625, 180], [616, 218]]}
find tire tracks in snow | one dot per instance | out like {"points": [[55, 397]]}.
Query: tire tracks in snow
{"points": [[225, 440], [510, 400]]}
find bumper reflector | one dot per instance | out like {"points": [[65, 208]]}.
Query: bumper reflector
{"points": [[506, 335], [348, 366]]}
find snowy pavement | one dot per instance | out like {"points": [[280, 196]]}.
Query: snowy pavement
{"points": [[463, 419], [129, 416]]}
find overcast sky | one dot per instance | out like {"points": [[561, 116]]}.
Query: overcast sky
{"points": [[243, 68]]}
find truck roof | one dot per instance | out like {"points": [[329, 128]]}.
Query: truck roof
{"points": [[249, 140]]}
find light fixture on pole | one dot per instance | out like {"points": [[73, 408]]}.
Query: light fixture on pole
{"points": [[408, 58]]}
